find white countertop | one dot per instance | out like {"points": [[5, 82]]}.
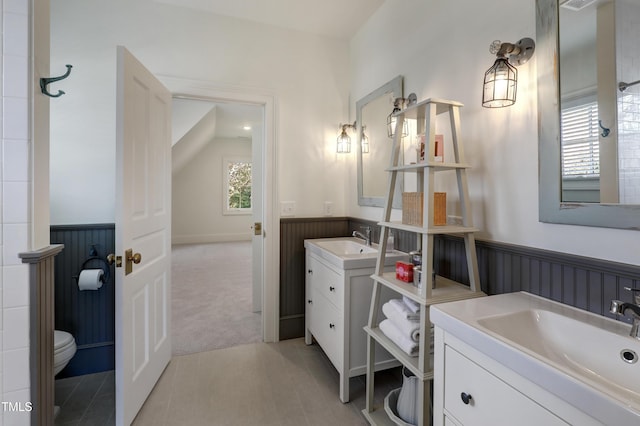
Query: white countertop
{"points": [[355, 260], [461, 319]]}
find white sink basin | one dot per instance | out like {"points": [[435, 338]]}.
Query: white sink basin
{"points": [[351, 252], [587, 360], [603, 358], [346, 247]]}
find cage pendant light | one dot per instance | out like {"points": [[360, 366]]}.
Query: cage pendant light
{"points": [[391, 124], [343, 143], [500, 84], [392, 119], [364, 142]]}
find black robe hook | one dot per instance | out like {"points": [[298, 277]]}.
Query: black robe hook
{"points": [[44, 82], [605, 131]]}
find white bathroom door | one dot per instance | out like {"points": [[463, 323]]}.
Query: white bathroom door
{"points": [[143, 227]]}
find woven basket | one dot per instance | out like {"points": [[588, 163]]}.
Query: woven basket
{"points": [[413, 208]]}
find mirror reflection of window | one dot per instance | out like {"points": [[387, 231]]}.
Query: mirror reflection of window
{"points": [[598, 52], [580, 150]]}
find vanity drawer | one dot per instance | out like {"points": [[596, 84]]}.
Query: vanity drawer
{"points": [[492, 401], [450, 422], [327, 281], [327, 328]]}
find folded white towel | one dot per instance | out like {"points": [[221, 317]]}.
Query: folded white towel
{"points": [[411, 304], [409, 328], [400, 306], [403, 342]]}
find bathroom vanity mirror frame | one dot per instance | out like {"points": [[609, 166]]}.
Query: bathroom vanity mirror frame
{"points": [[393, 87], [551, 207]]}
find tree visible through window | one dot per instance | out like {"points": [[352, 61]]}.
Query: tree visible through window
{"points": [[238, 185]]}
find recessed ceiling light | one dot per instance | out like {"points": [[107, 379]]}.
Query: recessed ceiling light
{"points": [[246, 127], [576, 5]]}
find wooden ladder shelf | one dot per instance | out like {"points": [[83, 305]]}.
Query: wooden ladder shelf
{"points": [[433, 289]]}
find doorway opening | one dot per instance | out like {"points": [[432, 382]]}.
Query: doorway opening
{"points": [[217, 198]]}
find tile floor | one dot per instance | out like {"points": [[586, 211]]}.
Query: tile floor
{"points": [[86, 400], [286, 383]]}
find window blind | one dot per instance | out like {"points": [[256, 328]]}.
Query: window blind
{"points": [[580, 144]]}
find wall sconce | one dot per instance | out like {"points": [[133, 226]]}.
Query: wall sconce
{"points": [[391, 120], [364, 141], [344, 141], [501, 80]]}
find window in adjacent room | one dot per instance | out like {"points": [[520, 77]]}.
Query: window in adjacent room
{"points": [[237, 186]]}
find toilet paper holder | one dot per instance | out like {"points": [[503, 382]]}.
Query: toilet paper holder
{"points": [[105, 267]]}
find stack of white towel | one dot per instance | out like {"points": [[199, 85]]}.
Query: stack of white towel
{"points": [[402, 325]]}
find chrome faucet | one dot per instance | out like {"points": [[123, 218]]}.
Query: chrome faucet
{"points": [[367, 234], [632, 310]]}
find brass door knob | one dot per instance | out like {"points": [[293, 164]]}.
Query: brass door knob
{"points": [[135, 258], [131, 258]]}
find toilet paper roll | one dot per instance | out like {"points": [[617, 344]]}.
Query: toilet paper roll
{"points": [[90, 279]]}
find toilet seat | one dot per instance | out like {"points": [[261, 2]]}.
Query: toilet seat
{"points": [[61, 339], [64, 348]]}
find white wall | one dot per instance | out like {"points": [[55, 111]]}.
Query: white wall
{"points": [[579, 71], [304, 73], [16, 233], [442, 49], [197, 203]]}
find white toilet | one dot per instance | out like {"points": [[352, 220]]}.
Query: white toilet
{"points": [[64, 348]]}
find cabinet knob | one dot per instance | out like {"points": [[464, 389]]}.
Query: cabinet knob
{"points": [[331, 325], [309, 301], [310, 271], [331, 288], [466, 398]]}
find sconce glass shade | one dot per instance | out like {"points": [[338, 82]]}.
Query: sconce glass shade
{"points": [[391, 124], [364, 141], [500, 84], [344, 143]]}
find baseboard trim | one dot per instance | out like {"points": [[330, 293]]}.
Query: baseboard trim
{"points": [[90, 359], [291, 327]]}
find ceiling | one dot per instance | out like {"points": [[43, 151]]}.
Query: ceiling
{"points": [[338, 19], [578, 27], [229, 119], [332, 18]]}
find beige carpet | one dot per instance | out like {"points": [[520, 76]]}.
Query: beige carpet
{"points": [[211, 297]]}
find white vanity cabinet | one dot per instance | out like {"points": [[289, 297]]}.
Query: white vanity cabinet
{"points": [[474, 396], [473, 389], [480, 379], [324, 315], [337, 309]]}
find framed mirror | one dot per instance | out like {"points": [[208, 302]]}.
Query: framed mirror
{"points": [[558, 201], [371, 121]]}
